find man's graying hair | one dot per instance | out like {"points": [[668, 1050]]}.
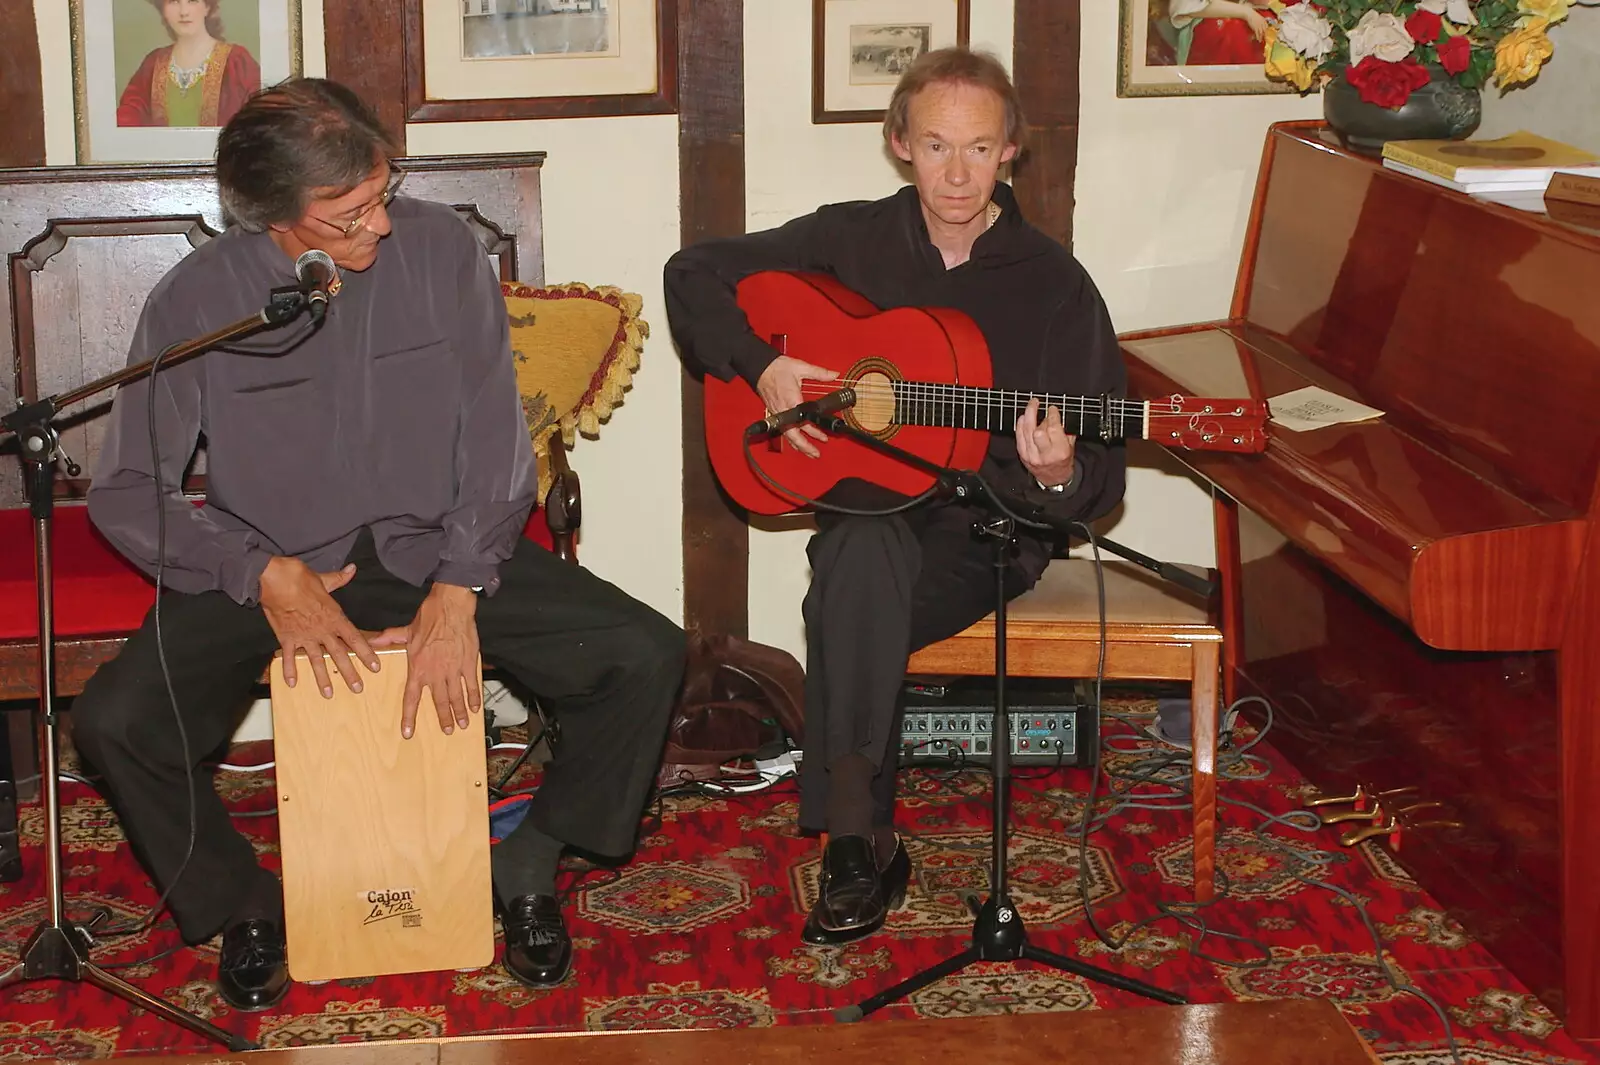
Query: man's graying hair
{"points": [[298, 135]]}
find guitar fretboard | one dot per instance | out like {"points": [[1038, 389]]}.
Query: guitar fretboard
{"points": [[997, 410]]}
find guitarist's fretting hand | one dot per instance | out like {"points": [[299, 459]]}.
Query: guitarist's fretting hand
{"points": [[1045, 448], [779, 388]]}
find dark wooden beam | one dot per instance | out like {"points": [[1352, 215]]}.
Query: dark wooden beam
{"points": [[367, 53], [21, 87], [1045, 47], [716, 541]]}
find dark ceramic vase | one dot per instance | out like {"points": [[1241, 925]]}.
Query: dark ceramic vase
{"points": [[1440, 110]]}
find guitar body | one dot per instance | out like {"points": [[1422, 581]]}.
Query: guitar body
{"points": [[814, 318]]}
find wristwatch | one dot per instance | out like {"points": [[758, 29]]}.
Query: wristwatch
{"points": [[1063, 489]]}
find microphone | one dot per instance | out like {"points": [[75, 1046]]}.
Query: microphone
{"points": [[831, 403], [319, 280]]}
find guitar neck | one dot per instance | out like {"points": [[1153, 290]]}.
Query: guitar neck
{"points": [[997, 410]]}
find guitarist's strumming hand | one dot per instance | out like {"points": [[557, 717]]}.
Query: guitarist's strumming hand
{"points": [[779, 389], [1045, 448]]}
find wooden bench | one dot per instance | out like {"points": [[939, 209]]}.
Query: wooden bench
{"points": [[1155, 630], [1287, 1032]]}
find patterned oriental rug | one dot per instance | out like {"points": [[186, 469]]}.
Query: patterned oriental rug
{"points": [[702, 929]]}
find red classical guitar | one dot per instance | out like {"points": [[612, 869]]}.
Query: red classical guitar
{"points": [[921, 380]]}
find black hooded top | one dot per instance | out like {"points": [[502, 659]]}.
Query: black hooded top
{"points": [[1043, 319]]}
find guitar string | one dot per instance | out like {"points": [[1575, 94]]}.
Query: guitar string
{"points": [[988, 404], [973, 396]]}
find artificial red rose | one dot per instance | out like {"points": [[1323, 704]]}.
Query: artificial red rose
{"points": [[1424, 26], [1455, 54], [1386, 84]]}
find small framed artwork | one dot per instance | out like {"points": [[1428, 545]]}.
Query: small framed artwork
{"points": [[1174, 48], [859, 49], [154, 80], [475, 60]]}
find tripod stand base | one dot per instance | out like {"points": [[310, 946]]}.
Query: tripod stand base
{"points": [[61, 952], [998, 935]]}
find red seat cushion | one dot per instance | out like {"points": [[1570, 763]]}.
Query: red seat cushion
{"points": [[97, 591]]}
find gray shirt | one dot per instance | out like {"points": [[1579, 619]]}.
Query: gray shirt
{"points": [[400, 414]]}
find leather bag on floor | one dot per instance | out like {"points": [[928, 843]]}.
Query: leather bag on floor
{"points": [[738, 698]]}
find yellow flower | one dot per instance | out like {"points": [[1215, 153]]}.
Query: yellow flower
{"points": [[1552, 11], [1285, 64], [1522, 52]]}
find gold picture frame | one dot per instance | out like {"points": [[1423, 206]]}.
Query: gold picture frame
{"points": [[122, 54], [471, 61], [1202, 57]]}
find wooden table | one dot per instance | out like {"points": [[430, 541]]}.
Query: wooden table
{"points": [[1288, 1032]]}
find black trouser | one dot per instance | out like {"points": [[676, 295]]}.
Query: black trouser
{"points": [[608, 665], [882, 588]]}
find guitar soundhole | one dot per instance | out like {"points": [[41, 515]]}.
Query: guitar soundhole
{"points": [[874, 408]]}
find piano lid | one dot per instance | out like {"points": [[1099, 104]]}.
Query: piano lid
{"points": [[1474, 327]]}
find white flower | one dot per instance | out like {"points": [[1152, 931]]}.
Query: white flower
{"points": [[1305, 31], [1381, 35], [1457, 11]]}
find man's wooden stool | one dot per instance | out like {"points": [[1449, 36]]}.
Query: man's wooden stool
{"points": [[1155, 630]]}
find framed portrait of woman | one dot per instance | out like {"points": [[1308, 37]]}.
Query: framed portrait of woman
{"points": [[154, 80], [1194, 48]]}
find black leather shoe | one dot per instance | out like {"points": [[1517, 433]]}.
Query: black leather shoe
{"points": [[253, 972], [538, 949], [893, 880], [855, 895]]}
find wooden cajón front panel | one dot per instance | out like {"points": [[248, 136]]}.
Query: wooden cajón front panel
{"points": [[385, 840]]}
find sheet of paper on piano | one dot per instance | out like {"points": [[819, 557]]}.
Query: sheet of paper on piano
{"points": [[1311, 407]]}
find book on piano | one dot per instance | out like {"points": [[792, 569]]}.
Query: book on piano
{"points": [[1518, 157]]}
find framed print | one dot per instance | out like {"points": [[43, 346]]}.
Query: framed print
{"points": [[154, 80], [859, 49], [1167, 49], [471, 60]]}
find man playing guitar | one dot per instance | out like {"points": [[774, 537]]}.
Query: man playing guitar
{"points": [[885, 586]]}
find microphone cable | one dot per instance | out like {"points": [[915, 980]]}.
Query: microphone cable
{"points": [[144, 923], [149, 918]]}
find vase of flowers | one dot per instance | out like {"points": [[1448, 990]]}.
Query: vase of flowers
{"points": [[1401, 69]]}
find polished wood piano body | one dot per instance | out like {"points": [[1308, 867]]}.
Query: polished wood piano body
{"points": [[1419, 596]]}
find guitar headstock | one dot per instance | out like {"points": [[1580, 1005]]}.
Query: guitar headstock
{"points": [[1205, 423]]}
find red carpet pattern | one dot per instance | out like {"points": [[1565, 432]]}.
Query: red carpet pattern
{"points": [[702, 929]]}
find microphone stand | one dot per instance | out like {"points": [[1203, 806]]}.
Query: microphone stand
{"points": [[58, 949], [997, 931], [1166, 570]]}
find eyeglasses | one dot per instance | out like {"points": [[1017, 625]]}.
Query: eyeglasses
{"points": [[350, 228]]}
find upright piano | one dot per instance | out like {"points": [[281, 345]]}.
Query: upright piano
{"points": [[1418, 596]]}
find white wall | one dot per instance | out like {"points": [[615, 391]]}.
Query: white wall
{"points": [[1561, 101], [1163, 189]]}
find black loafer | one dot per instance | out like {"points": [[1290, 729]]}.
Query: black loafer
{"points": [[538, 948], [855, 895], [893, 880], [253, 971]]}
